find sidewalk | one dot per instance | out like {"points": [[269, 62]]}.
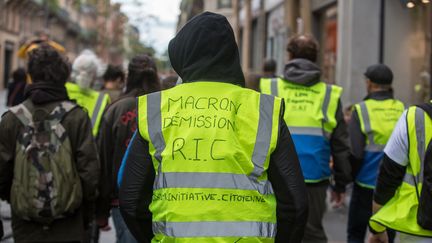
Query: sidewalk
{"points": [[108, 237]]}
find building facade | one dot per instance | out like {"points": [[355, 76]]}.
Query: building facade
{"points": [[75, 24], [352, 35], [62, 20]]}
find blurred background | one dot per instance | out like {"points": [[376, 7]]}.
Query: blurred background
{"points": [[352, 34]]}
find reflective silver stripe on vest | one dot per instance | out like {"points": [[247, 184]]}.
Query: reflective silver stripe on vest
{"points": [[154, 122], [211, 180], [409, 178], [215, 229], [326, 102], [97, 108], [312, 131], [420, 136], [274, 86], [371, 147], [374, 148], [264, 134]]}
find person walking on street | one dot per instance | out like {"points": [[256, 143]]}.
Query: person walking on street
{"points": [[16, 87], [84, 74], [211, 160], [113, 78], [370, 128], [402, 196], [269, 69], [118, 126], [315, 119], [49, 203]]}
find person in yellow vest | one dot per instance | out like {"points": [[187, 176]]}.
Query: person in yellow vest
{"points": [[314, 116], [370, 128], [211, 161], [400, 179], [84, 74]]}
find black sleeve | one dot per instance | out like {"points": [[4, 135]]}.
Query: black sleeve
{"points": [[288, 184], [136, 189], [358, 143], [340, 149], [8, 132], [105, 144], [390, 177], [79, 128], [1, 229]]}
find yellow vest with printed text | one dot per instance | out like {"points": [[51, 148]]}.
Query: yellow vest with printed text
{"points": [[210, 144], [377, 121], [311, 118], [400, 212]]}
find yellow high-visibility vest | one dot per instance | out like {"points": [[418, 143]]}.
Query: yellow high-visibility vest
{"points": [[400, 212], [93, 101], [311, 119], [210, 144], [377, 121]]}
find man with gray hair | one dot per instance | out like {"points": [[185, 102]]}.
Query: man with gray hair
{"points": [[84, 74]]}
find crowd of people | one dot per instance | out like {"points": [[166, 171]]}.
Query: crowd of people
{"points": [[205, 157]]}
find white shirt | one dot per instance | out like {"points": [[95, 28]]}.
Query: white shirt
{"points": [[397, 146]]}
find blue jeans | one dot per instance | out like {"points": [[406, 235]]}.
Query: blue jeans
{"points": [[122, 232]]}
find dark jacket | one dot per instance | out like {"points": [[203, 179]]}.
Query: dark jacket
{"points": [[15, 93], [117, 127], [78, 127], [358, 139], [205, 50], [307, 73]]}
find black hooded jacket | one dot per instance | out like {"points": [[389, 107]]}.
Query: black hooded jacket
{"points": [[45, 96], [205, 50]]}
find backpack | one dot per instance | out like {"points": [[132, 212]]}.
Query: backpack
{"points": [[424, 211], [46, 185]]}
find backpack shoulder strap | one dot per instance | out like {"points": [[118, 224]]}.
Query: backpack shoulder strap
{"points": [[23, 113], [426, 107], [58, 113]]}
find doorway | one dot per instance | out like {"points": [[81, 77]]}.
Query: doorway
{"points": [[8, 59]]}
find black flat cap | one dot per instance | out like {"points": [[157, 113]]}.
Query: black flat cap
{"points": [[379, 74]]}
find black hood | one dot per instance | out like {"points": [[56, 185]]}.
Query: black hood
{"points": [[205, 50], [45, 92], [302, 71]]}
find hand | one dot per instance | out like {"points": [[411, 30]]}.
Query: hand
{"points": [[103, 224], [378, 238], [337, 198]]}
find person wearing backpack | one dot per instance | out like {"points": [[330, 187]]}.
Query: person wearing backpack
{"points": [[402, 197], [370, 127], [49, 168]]}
